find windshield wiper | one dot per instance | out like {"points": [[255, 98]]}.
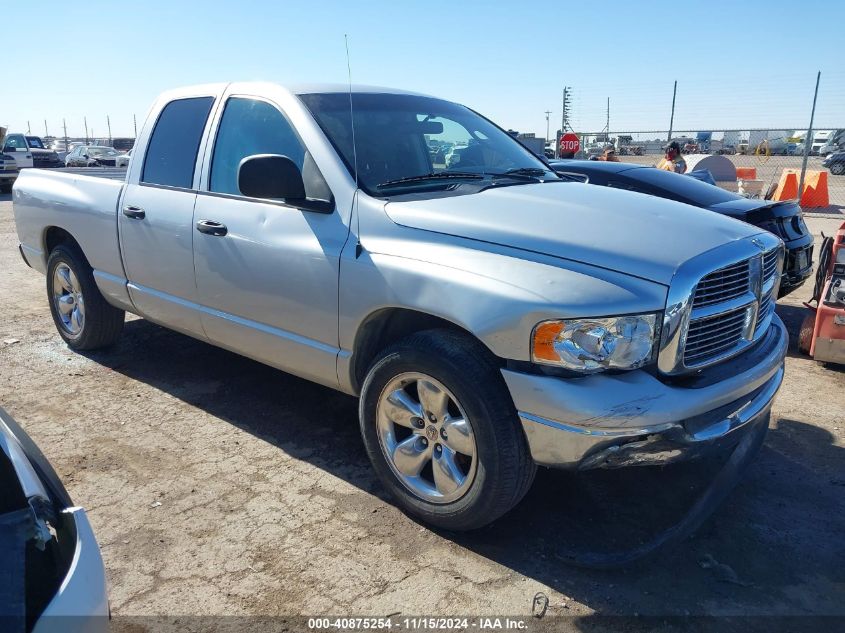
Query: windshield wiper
{"points": [[443, 175], [527, 173]]}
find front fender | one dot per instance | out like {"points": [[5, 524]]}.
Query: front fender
{"points": [[497, 293]]}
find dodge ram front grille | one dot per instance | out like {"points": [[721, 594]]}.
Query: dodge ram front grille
{"points": [[731, 308], [712, 336], [723, 284], [770, 263]]}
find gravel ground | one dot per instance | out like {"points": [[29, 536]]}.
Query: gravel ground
{"points": [[217, 485]]}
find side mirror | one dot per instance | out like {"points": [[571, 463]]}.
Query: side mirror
{"points": [[277, 177], [85, 156]]}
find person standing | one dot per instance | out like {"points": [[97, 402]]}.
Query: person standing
{"points": [[673, 161], [609, 155]]}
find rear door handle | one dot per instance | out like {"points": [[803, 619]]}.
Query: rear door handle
{"points": [[210, 227], [136, 213]]}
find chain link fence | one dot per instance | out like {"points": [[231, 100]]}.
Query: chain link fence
{"points": [[739, 121]]}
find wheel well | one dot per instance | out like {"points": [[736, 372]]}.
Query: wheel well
{"points": [[54, 236], [385, 327]]}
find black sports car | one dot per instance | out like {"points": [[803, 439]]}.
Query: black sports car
{"points": [[784, 219]]}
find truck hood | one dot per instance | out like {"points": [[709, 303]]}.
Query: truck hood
{"points": [[627, 232]]}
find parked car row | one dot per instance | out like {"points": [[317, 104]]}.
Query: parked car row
{"points": [[21, 151]]}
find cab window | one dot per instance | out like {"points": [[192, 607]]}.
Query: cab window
{"points": [[15, 142], [249, 127], [172, 151]]}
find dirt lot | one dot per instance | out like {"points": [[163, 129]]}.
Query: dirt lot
{"points": [[219, 486]]}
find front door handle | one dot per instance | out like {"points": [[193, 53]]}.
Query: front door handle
{"points": [[210, 227], [136, 213]]}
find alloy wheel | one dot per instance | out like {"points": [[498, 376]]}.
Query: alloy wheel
{"points": [[68, 299], [426, 437]]}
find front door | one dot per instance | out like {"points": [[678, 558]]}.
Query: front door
{"points": [[267, 275], [156, 219], [17, 147]]}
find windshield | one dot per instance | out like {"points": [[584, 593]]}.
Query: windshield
{"points": [[408, 142], [101, 151]]}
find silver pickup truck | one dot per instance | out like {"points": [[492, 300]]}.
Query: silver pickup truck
{"points": [[490, 315]]}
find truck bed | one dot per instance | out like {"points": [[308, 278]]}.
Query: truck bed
{"points": [[112, 173], [81, 201]]}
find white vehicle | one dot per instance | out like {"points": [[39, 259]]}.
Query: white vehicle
{"points": [[820, 139], [17, 147], [768, 142], [123, 159], [52, 570], [835, 143]]}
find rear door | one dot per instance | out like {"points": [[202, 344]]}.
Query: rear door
{"points": [[156, 213]]}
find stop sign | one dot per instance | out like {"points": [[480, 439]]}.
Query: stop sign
{"points": [[569, 143]]}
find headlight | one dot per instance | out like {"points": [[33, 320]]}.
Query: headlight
{"points": [[593, 345]]}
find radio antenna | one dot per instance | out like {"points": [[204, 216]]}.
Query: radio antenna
{"points": [[358, 247]]}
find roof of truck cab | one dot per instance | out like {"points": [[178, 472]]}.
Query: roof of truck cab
{"points": [[296, 89], [301, 89]]}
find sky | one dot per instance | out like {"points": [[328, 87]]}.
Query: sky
{"points": [[738, 64]]}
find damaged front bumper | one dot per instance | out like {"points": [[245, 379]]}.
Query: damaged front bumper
{"points": [[612, 421]]}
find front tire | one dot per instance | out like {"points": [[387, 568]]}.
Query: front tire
{"points": [[837, 169], [82, 316], [442, 432]]}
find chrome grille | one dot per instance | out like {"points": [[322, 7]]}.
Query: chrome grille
{"points": [[710, 337], [723, 284], [725, 302], [770, 264], [765, 310]]}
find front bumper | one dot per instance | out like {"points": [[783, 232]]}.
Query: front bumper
{"points": [[610, 421]]}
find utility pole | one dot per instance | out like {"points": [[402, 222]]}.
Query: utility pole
{"points": [[607, 125], [672, 117], [108, 123], [548, 112], [85, 118], [64, 125], [46, 131], [808, 140], [28, 131], [135, 125], [564, 118]]}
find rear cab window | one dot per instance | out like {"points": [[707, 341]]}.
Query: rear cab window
{"points": [[171, 154]]}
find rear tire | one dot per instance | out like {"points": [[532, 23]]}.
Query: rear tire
{"points": [[494, 465], [5, 188], [837, 169], [84, 319]]}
